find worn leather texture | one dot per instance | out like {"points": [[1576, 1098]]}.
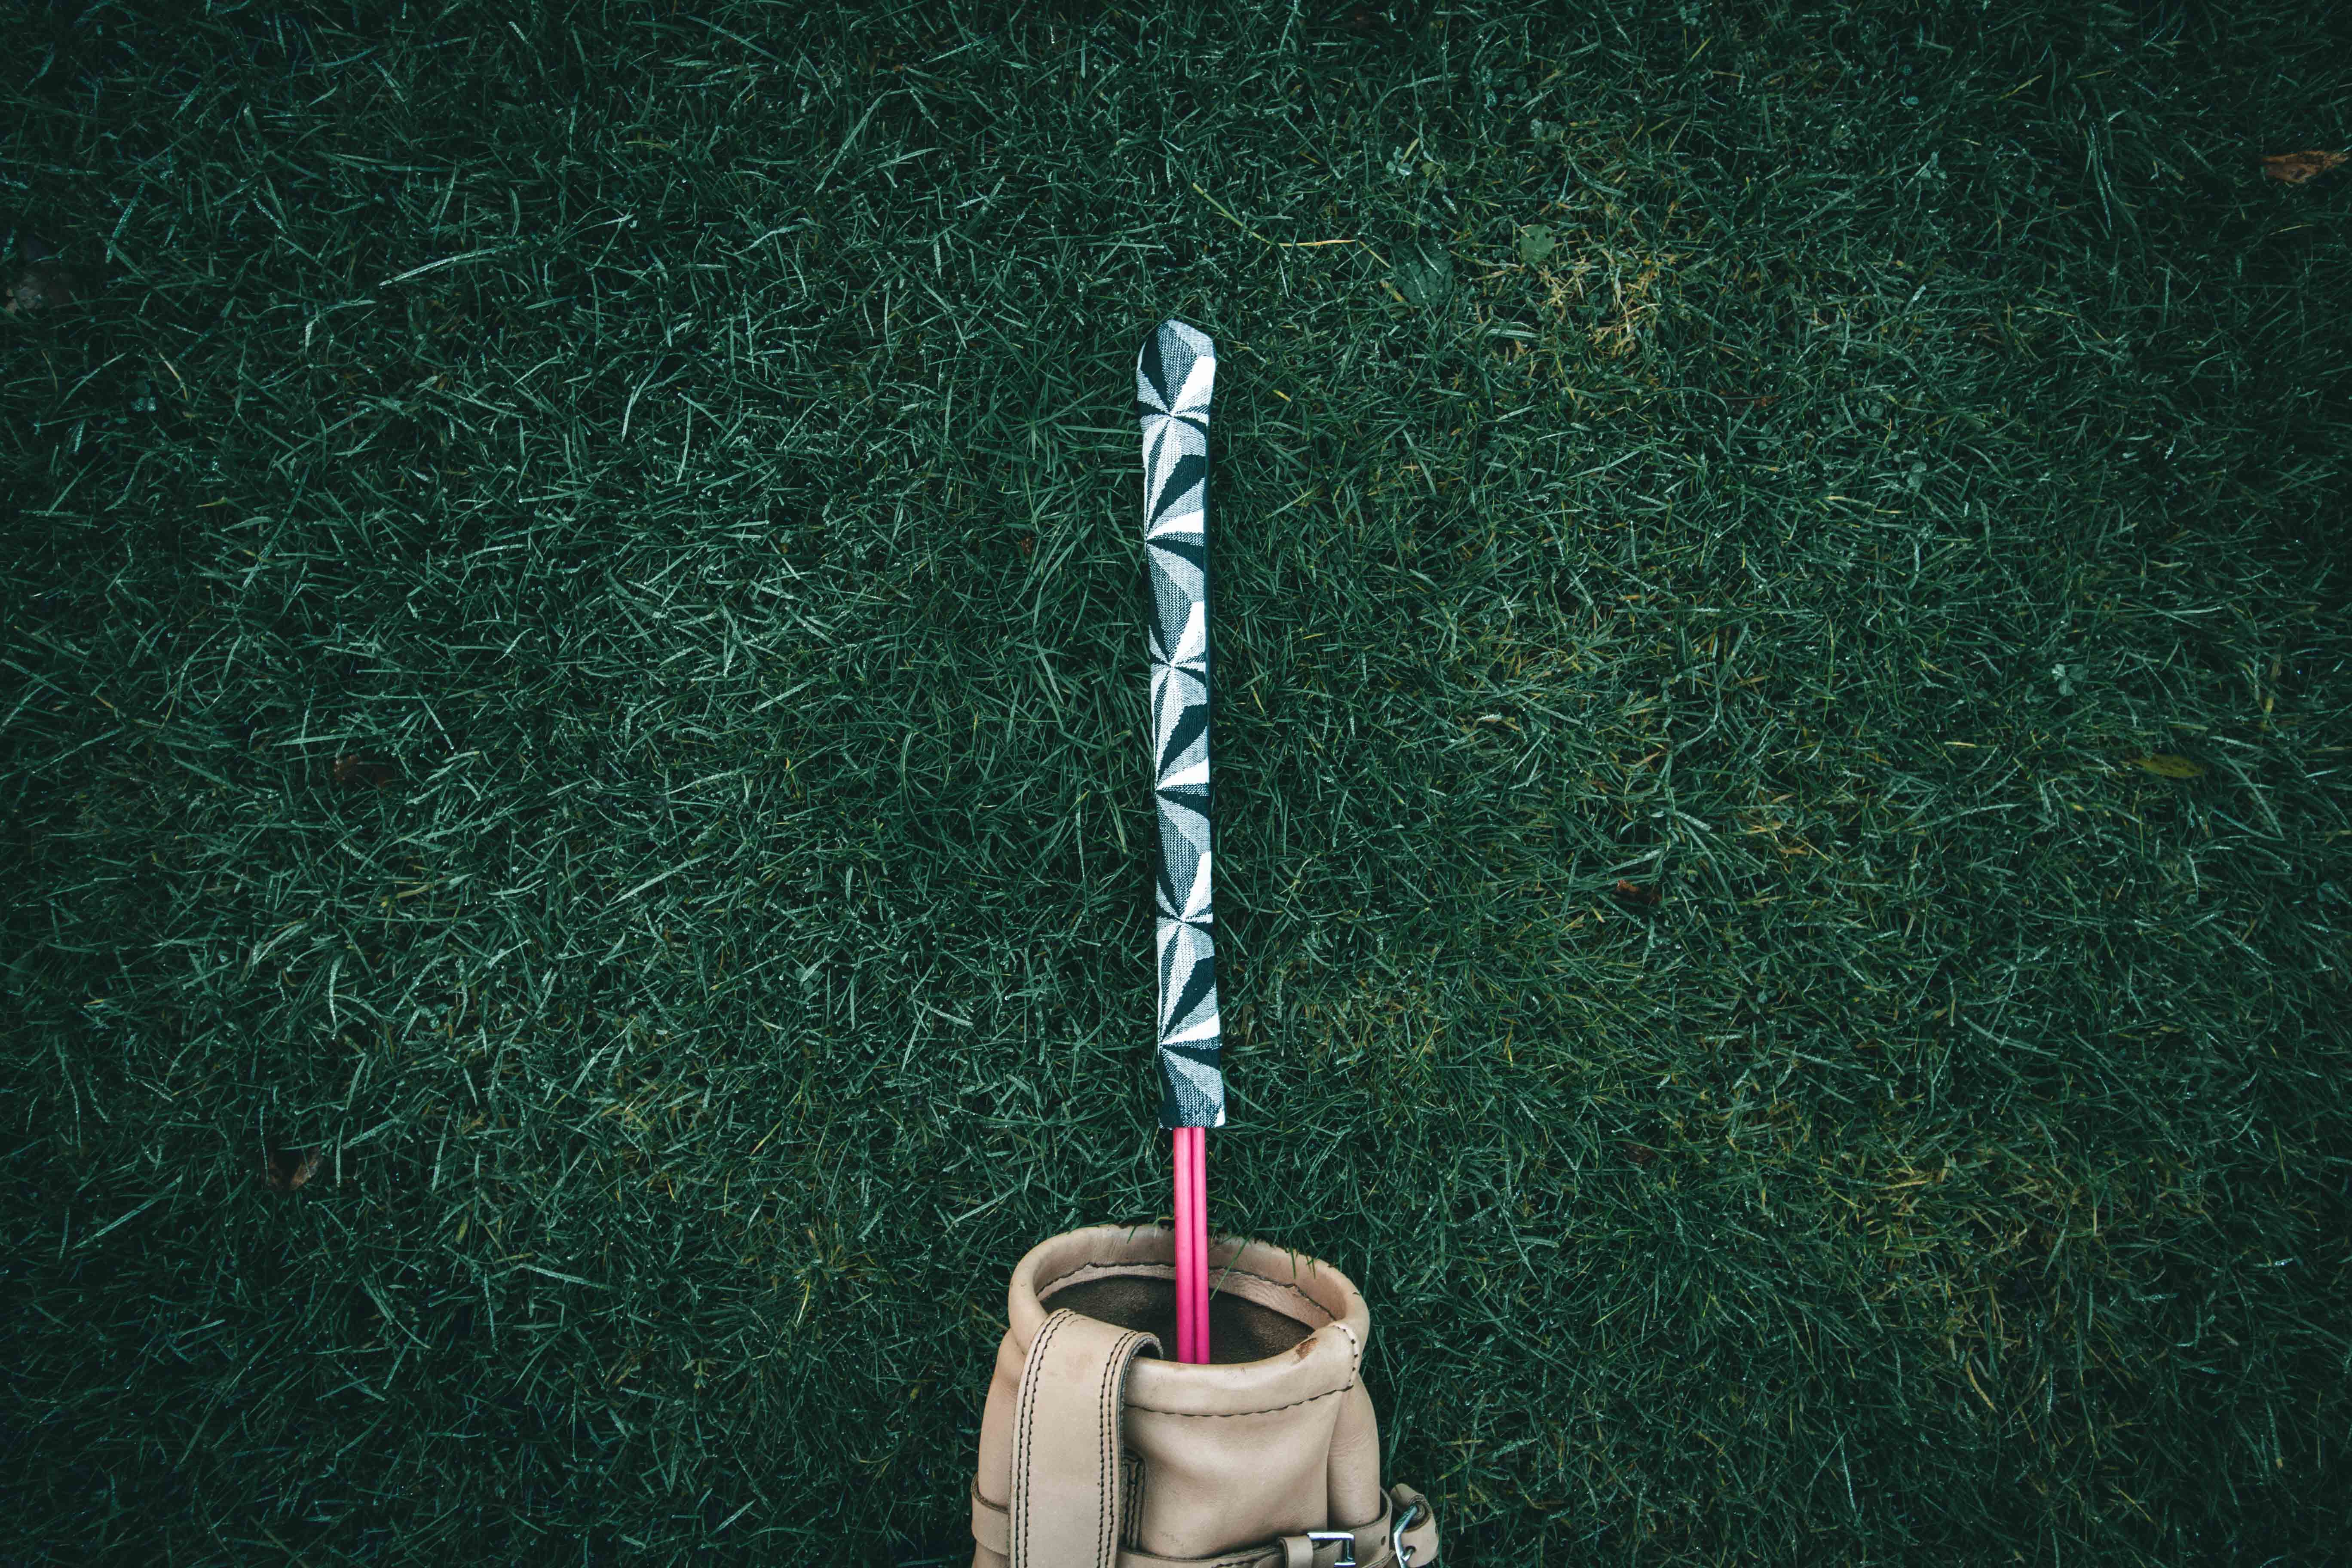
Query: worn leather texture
{"points": [[1214, 1465], [991, 1533], [1069, 1499]]}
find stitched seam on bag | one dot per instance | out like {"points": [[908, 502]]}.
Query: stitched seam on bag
{"points": [[1114, 1410], [1355, 1350], [1329, 1316], [1025, 1409], [1119, 1431], [1022, 1447], [1226, 1414], [1092, 1266], [1047, 1287], [1105, 1432], [1044, 1286], [1355, 1358]]}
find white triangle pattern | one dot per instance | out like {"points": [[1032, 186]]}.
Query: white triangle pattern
{"points": [[1175, 531]]}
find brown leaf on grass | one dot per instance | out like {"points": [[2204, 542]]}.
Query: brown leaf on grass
{"points": [[1646, 1158], [1634, 896], [356, 769], [287, 1169], [2165, 766], [2294, 168]]}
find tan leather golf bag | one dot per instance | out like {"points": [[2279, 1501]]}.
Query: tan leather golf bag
{"points": [[1096, 1452]]}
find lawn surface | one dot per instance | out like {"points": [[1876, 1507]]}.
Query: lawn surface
{"points": [[576, 826]]}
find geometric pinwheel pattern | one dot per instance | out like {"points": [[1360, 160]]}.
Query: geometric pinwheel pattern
{"points": [[1173, 378]]}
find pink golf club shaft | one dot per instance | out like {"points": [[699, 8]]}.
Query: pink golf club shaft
{"points": [[1185, 1328], [1192, 1244], [1201, 1244]]}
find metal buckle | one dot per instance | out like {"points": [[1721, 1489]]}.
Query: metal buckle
{"points": [[1347, 1550], [1398, 1553]]}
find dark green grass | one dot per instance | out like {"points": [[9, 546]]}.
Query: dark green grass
{"points": [[575, 645]]}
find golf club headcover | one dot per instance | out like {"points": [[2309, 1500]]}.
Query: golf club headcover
{"points": [[1174, 376]]}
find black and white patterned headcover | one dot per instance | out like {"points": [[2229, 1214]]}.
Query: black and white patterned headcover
{"points": [[1174, 378]]}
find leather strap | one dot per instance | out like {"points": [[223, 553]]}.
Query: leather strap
{"points": [[1372, 1548], [1420, 1536], [991, 1528], [1069, 1500]]}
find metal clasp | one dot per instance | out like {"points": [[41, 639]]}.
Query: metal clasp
{"points": [[1347, 1539], [1398, 1553], [1398, 1550]]}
